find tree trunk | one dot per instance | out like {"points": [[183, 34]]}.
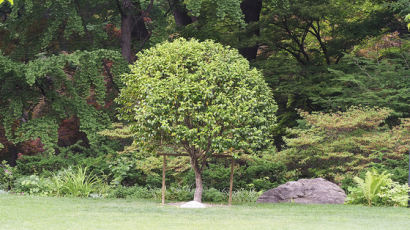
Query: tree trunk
{"points": [[198, 185], [126, 29], [251, 10], [198, 176], [180, 13], [132, 28]]}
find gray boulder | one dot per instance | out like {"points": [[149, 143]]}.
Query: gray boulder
{"points": [[305, 191]]}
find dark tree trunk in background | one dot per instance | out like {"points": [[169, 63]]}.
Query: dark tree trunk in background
{"points": [[126, 27], [251, 10], [180, 13], [132, 27]]}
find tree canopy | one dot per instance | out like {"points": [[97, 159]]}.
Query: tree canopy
{"points": [[200, 98]]}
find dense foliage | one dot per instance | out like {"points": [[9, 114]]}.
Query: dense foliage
{"points": [[37, 97], [338, 145], [60, 68]]}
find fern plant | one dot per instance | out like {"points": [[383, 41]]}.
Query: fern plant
{"points": [[372, 184], [377, 189], [77, 182]]}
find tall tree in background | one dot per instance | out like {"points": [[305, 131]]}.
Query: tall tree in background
{"points": [[251, 10], [51, 95], [301, 39], [132, 25]]}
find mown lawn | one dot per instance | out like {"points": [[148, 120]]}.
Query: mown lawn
{"points": [[42, 213]]}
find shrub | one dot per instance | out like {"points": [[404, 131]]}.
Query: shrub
{"points": [[264, 174], [7, 176], [76, 182], [245, 196], [120, 192], [183, 193], [339, 145], [214, 195], [29, 165], [40, 165], [35, 185], [377, 189]]}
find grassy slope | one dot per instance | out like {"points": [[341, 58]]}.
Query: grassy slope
{"points": [[22, 212]]}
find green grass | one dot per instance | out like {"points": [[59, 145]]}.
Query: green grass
{"points": [[42, 213]]}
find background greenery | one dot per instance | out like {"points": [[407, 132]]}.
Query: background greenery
{"points": [[61, 62]]}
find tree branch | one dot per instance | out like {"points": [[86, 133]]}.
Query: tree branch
{"points": [[295, 39], [316, 33]]}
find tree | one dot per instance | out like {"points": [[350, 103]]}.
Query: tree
{"points": [[230, 22], [299, 40], [317, 32], [376, 74], [200, 98], [36, 98], [132, 25], [69, 25]]}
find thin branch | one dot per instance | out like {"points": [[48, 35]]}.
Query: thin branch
{"points": [[316, 33], [295, 39], [293, 53]]}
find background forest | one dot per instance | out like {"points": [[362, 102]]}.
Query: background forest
{"points": [[339, 71]]}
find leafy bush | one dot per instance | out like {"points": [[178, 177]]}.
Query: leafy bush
{"points": [[40, 165], [7, 176], [378, 189], [35, 185], [342, 144], [214, 195], [245, 196], [398, 168], [28, 165], [183, 193], [265, 173], [76, 182], [120, 192]]}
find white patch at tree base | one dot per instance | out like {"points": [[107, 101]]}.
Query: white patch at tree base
{"points": [[193, 204]]}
